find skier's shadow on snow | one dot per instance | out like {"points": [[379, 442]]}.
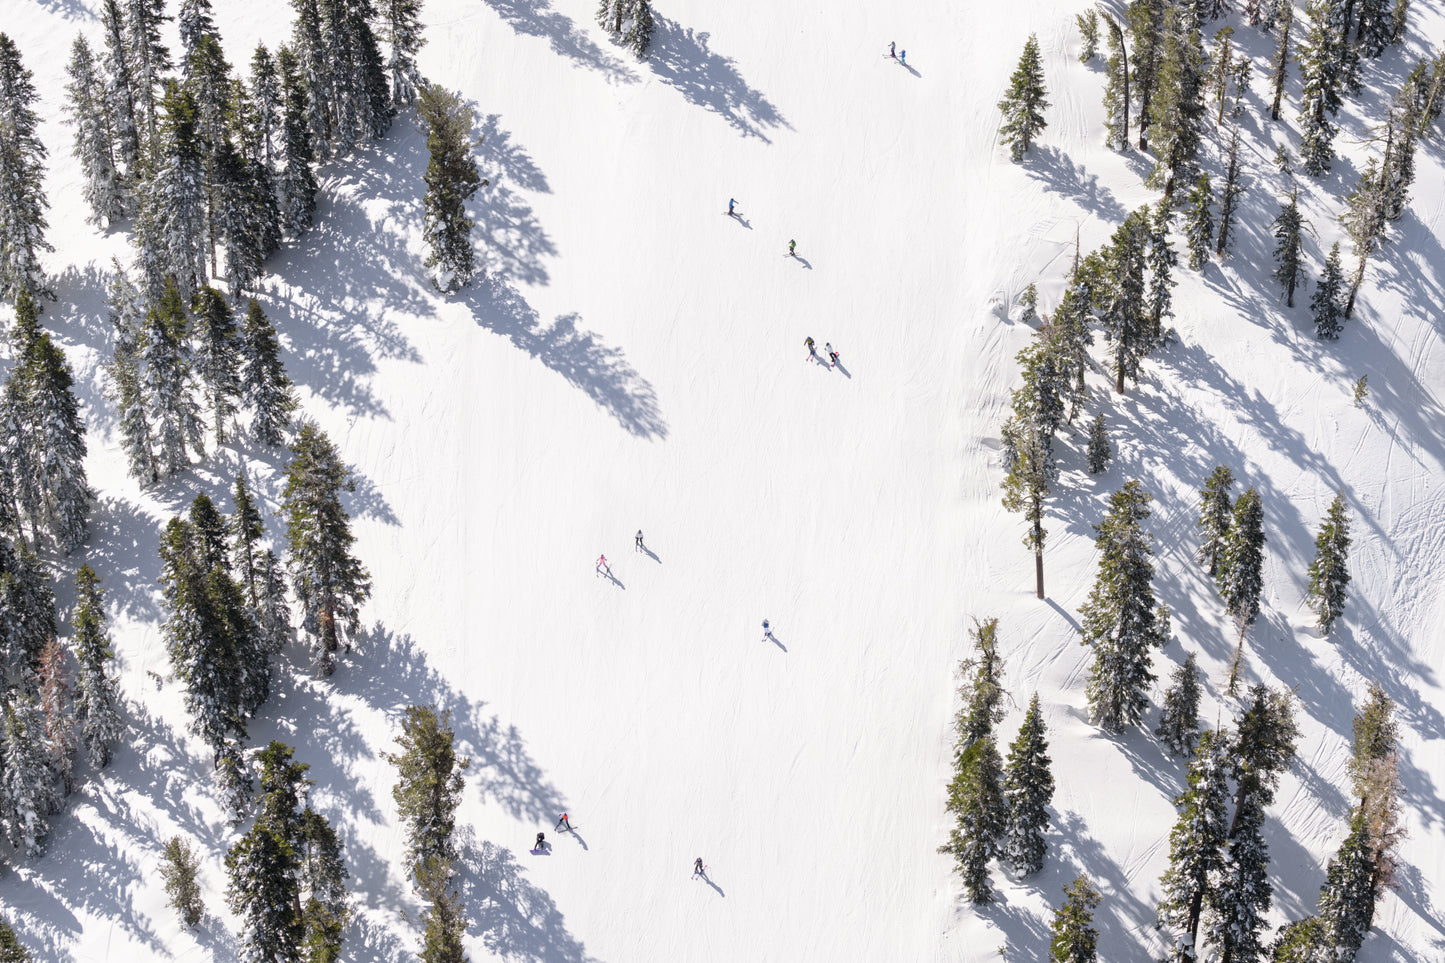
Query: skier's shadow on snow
{"points": [[741, 220], [614, 580], [802, 260], [715, 886], [909, 67], [846, 373], [651, 554], [577, 836], [774, 639]]}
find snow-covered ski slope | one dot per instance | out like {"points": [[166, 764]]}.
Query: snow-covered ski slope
{"points": [[635, 360]]}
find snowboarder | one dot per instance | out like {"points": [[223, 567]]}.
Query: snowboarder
{"points": [[832, 355], [809, 342], [697, 867], [792, 246], [890, 50], [602, 566], [767, 631], [639, 540], [731, 212], [562, 821], [542, 842]]}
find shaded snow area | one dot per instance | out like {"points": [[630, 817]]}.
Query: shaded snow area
{"points": [[633, 359]]}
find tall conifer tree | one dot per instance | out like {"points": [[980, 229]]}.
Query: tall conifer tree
{"points": [[1329, 572], [1023, 105], [22, 176]]}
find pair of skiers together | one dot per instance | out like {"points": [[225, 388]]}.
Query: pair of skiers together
{"points": [[827, 346], [542, 837], [900, 57]]}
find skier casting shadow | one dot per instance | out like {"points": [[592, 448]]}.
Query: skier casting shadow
{"points": [[848, 374]]}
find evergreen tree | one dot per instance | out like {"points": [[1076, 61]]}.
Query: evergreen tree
{"points": [[1146, 32], [1121, 298], [1024, 105], [1099, 450], [1229, 196], [329, 582], [1322, 69], [1028, 788], [1177, 110], [443, 922], [218, 357], [401, 20], [174, 415], [1196, 844], [27, 613], [1347, 900], [1397, 172], [1325, 303], [88, 111], [323, 873], [1088, 22], [1179, 722], [136, 434], [11, 949], [981, 694], [314, 74], [1364, 220], [1221, 63], [27, 786], [196, 23], [1120, 622], [1199, 230], [1242, 893], [1330, 570], [246, 529], [1116, 88], [1069, 342], [1161, 260], [1027, 484], [451, 179], [428, 787], [148, 58], [1288, 226], [267, 100], [118, 93], [232, 777], [639, 36], [1075, 940], [57, 715], [1241, 560], [179, 864], [264, 891], [266, 389], [22, 176], [1376, 736], [1281, 57], [297, 181], [173, 205], [97, 700], [975, 797]]}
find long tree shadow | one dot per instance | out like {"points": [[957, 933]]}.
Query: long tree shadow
{"points": [[537, 18], [513, 918], [513, 242], [1060, 175], [682, 59], [599, 371]]}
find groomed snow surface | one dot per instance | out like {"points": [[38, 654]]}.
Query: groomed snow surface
{"points": [[635, 360]]}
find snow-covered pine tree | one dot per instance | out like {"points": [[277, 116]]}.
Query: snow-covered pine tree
{"points": [[297, 182], [11, 949], [173, 203], [265, 388], [428, 785], [1329, 572], [27, 611], [118, 92], [1088, 22], [451, 179], [1199, 228], [88, 111], [1179, 721], [1028, 788], [246, 529], [1145, 19], [97, 700], [1325, 302], [1196, 844], [1241, 560], [22, 180], [1023, 105], [372, 82], [314, 75], [444, 922], [1229, 196], [1074, 938], [175, 416], [274, 615], [330, 583], [1099, 450], [326, 906], [232, 778], [57, 712], [264, 871], [55, 434], [1281, 57], [975, 797], [1121, 299], [218, 357], [639, 34], [208, 81], [1398, 170], [1117, 95], [1031, 474], [1241, 895], [133, 415], [981, 693], [179, 866], [1323, 70], [1161, 260], [1029, 301], [401, 29], [1347, 899], [197, 22], [1376, 738], [1364, 220], [149, 59], [1177, 110], [267, 104], [1288, 226], [1120, 621], [1221, 63], [1069, 342], [27, 783]]}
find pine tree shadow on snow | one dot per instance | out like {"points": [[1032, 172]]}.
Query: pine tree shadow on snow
{"points": [[1060, 175], [681, 58], [599, 371], [512, 242], [536, 18], [513, 918]]}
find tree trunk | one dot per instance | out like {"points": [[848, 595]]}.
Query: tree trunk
{"points": [[1282, 68], [1039, 570], [1119, 368]]}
